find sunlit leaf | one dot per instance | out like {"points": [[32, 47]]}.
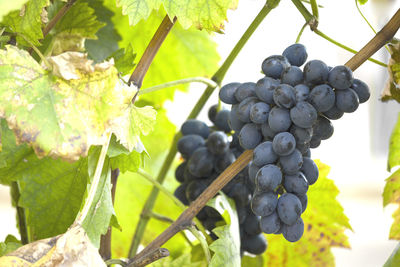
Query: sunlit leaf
{"points": [[394, 146], [181, 261], [394, 259], [391, 194], [10, 244], [7, 6]]}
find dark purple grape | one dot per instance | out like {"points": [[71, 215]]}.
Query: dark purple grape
{"points": [[296, 54], [340, 77], [227, 93], [273, 66], [194, 126]]}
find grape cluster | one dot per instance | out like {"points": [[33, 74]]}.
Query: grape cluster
{"points": [[207, 152], [281, 117]]}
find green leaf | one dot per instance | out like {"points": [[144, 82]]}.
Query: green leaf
{"points": [[10, 244], [182, 261], [28, 93], [124, 60], [362, 2], [107, 37], [101, 211], [324, 226], [227, 247], [394, 146], [203, 14], [253, 261], [392, 88], [391, 194], [394, 259], [27, 22], [184, 53], [7, 6]]}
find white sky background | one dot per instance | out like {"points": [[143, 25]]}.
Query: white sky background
{"points": [[357, 151]]}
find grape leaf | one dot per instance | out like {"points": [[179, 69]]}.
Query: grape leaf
{"points": [[203, 14], [391, 194], [253, 261], [182, 261], [394, 146], [101, 211], [10, 244], [324, 226], [227, 247], [7, 6], [184, 53], [28, 93], [362, 2], [392, 88], [27, 22], [124, 60], [121, 158], [394, 259], [107, 39]]}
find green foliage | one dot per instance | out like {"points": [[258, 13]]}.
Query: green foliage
{"points": [[227, 247], [10, 244], [394, 146], [194, 53], [253, 261], [27, 21], [362, 2], [7, 6], [394, 259], [124, 60], [392, 89], [324, 223], [107, 39], [203, 14], [181, 261], [391, 194]]}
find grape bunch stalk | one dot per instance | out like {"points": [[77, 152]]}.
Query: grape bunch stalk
{"points": [[207, 152], [281, 117]]}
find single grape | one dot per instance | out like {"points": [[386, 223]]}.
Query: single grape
{"points": [[267, 131], [264, 203], [323, 128], [224, 161], [201, 162], [217, 143], [294, 232], [273, 66], [180, 172], [243, 110], [333, 113], [292, 76], [361, 89], [189, 143], [270, 224], [310, 170], [291, 163], [252, 224], [264, 154], [322, 97], [283, 144], [315, 72], [227, 93], [249, 136], [301, 92], [301, 135], [284, 96], [296, 54], [259, 112], [180, 193], [347, 100], [252, 171], [265, 88], [340, 77], [233, 120], [315, 142], [268, 177], [289, 208], [296, 184], [194, 126], [221, 120], [188, 176], [194, 189], [303, 114], [304, 200], [212, 113], [255, 244], [279, 119], [245, 90]]}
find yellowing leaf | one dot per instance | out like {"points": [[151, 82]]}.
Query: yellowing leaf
{"points": [[7, 6], [324, 226], [70, 249], [61, 118], [392, 88], [394, 146], [391, 194]]}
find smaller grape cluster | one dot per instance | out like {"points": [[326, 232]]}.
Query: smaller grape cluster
{"points": [[281, 117], [207, 152]]}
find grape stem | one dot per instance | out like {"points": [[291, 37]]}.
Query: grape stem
{"points": [[152, 89], [21, 216], [314, 8], [217, 77], [301, 32], [149, 257], [58, 16], [228, 174]]}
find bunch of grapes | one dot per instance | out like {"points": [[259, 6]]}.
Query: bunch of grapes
{"points": [[207, 152], [281, 117]]}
